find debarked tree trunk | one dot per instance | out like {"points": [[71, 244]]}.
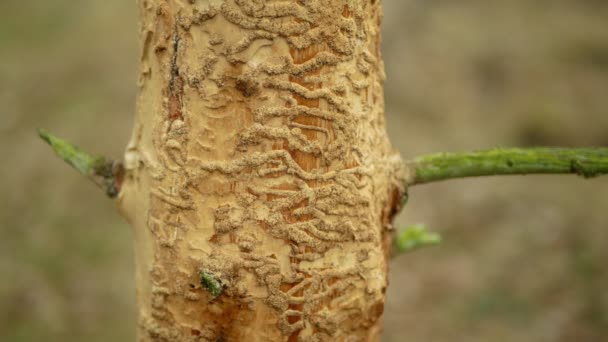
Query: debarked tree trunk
{"points": [[260, 180]]}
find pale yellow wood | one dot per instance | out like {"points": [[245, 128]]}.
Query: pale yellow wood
{"points": [[259, 155]]}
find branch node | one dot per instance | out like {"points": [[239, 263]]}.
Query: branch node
{"points": [[106, 174]]}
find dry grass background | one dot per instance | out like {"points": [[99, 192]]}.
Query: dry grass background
{"points": [[523, 260]]}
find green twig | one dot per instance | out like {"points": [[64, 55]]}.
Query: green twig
{"points": [[413, 238], [585, 162], [105, 173]]}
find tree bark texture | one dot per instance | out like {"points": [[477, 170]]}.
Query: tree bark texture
{"points": [[259, 158]]}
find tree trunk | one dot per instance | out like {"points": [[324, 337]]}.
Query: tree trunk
{"points": [[260, 180]]}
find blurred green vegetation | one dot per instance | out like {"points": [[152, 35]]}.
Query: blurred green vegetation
{"points": [[522, 258]]}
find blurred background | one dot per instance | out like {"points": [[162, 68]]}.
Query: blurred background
{"points": [[524, 258]]}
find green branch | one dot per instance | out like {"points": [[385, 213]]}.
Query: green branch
{"points": [[585, 162], [105, 173], [413, 238]]}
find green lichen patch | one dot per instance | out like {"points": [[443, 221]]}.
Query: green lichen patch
{"points": [[211, 283]]}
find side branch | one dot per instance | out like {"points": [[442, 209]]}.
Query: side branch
{"points": [[414, 238], [585, 162], [106, 174]]}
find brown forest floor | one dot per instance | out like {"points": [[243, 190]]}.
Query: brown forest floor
{"points": [[524, 258]]}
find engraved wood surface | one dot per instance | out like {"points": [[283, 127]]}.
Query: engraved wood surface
{"points": [[259, 155]]}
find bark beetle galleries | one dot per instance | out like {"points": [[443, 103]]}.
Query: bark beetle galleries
{"points": [[259, 156]]}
